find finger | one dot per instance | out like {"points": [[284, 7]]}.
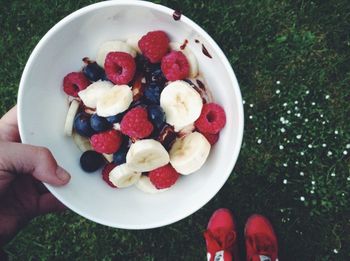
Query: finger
{"points": [[48, 203], [40, 187], [9, 126], [27, 159]]}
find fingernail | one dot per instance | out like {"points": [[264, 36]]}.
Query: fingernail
{"points": [[62, 174]]}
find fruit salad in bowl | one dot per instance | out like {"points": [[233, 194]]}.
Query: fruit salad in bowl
{"points": [[137, 115], [140, 105]]}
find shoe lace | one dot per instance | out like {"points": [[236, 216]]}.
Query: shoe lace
{"points": [[219, 239], [262, 244]]}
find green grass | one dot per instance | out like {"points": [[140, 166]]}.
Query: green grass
{"points": [[297, 132]]}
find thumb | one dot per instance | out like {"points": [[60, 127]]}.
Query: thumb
{"points": [[31, 160]]}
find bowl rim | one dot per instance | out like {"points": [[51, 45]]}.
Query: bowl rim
{"points": [[218, 51]]}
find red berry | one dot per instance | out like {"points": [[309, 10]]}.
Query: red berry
{"points": [[105, 173], [74, 82], [212, 119], [163, 177], [212, 138], [135, 123], [120, 67], [154, 45], [175, 66], [106, 142]]}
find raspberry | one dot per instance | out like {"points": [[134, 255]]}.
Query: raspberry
{"points": [[163, 177], [175, 66], [120, 67], [74, 82], [154, 45], [105, 173], [212, 138], [106, 142], [135, 123], [212, 119]]}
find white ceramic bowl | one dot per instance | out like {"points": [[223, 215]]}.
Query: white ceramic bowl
{"points": [[43, 107]]}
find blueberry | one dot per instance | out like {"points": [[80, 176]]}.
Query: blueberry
{"points": [[82, 124], [152, 93], [120, 156], [99, 124], [91, 161], [156, 115], [94, 72], [116, 118], [158, 77]]}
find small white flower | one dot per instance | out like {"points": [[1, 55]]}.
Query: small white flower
{"points": [[348, 178], [302, 153], [282, 119], [310, 162], [324, 145], [333, 174], [329, 153], [313, 103], [296, 108], [285, 165], [286, 121], [345, 152], [312, 191], [348, 146], [283, 130], [251, 105], [297, 162], [307, 92], [313, 182], [306, 120], [278, 82], [336, 132], [285, 181], [278, 91], [327, 97], [298, 115], [302, 198], [258, 141], [243, 101], [302, 173], [250, 116], [321, 115], [296, 102], [299, 136], [335, 251], [281, 147], [289, 112], [310, 146], [285, 104]]}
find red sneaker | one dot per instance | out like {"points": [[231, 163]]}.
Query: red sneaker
{"points": [[220, 237], [260, 239]]}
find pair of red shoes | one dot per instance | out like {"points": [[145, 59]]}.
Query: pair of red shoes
{"points": [[221, 238]]}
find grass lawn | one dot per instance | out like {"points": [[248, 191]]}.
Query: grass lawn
{"points": [[292, 60]]}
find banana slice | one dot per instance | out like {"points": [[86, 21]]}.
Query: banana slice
{"points": [[189, 153], [133, 41], [144, 184], [108, 157], [72, 111], [146, 155], [191, 58], [113, 46], [122, 176], [82, 143], [114, 101], [181, 103], [93, 92]]}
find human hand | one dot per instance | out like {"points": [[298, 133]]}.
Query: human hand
{"points": [[22, 167]]}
